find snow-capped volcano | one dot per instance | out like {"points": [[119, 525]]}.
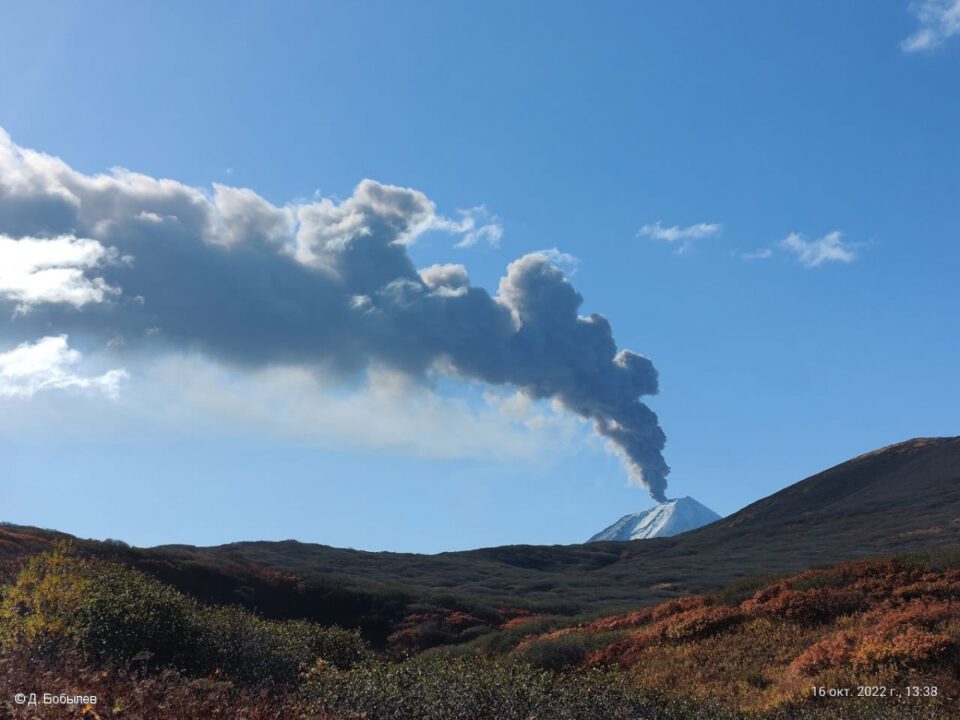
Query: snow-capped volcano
{"points": [[663, 520]]}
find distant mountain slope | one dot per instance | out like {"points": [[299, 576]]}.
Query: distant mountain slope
{"points": [[664, 519], [902, 498], [917, 477]]}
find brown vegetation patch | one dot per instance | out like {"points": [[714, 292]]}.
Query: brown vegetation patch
{"points": [[814, 605], [896, 620]]}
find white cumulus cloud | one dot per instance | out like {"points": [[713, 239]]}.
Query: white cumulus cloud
{"points": [[34, 271], [50, 364]]}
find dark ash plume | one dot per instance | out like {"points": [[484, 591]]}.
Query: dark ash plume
{"points": [[143, 263]]}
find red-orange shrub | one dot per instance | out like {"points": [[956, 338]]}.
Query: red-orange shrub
{"points": [[909, 648], [922, 612], [836, 650], [812, 605], [698, 623], [621, 622], [673, 607]]}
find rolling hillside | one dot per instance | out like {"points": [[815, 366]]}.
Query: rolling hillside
{"points": [[898, 499]]}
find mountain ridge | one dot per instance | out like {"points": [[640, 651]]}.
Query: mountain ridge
{"points": [[902, 498]]}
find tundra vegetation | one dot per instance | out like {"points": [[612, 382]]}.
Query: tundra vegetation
{"points": [[73, 623]]}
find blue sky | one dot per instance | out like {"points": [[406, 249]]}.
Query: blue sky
{"points": [[761, 198]]}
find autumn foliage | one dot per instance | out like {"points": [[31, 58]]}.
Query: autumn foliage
{"points": [[80, 622], [891, 621]]}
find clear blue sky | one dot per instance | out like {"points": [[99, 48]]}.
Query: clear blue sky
{"points": [[576, 125]]}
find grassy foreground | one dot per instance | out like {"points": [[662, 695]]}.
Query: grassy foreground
{"points": [[77, 625]]}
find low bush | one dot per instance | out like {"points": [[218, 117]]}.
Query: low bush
{"points": [[118, 616], [563, 650], [511, 636], [812, 605], [834, 651], [699, 622], [913, 647], [476, 688]]}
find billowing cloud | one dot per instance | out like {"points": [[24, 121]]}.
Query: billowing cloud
{"points": [[446, 279], [939, 21], [814, 253], [324, 286], [50, 364], [245, 217]]}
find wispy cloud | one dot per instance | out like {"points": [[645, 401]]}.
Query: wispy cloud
{"points": [[939, 21], [758, 254], [676, 233], [814, 253], [683, 236], [50, 364], [387, 411], [477, 226], [570, 263]]}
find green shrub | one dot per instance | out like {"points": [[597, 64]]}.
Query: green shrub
{"points": [[564, 651], [124, 615], [249, 648], [115, 615], [507, 639], [477, 688]]}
